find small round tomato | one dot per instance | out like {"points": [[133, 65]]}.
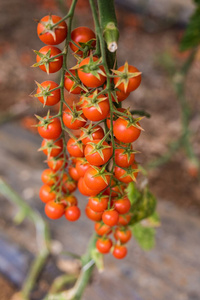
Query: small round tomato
{"points": [[87, 77], [115, 117], [73, 119], [125, 176], [45, 95], [52, 148], [96, 113], [124, 219], [98, 204], [119, 251], [54, 210], [68, 185], [81, 35], [95, 181], [110, 217], [46, 194], [133, 82], [102, 153], [69, 200], [75, 148], [122, 205], [52, 131], [50, 66], [125, 133], [124, 235], [84, 189], [70, 83], [72, 213], [73, 173], [49, 35], [93, 215], [104, 245], [89, 135], [82, 166], [49, 177], [123, 158], [102, 229], [56, 164]]}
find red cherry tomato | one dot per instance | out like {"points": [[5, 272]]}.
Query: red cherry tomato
{"points": [[81, 35], [73, 173], [123, 159], [102, 229], [92, 113], [98, 204], [122, 205], [97, 133], [72, 213], [119, 251], [69, 83], [93, 215], [104, 245], [74, 148], [52, 131], [124, 133], [99, 182], [84, 189], [54, 210], [47, 97], [49, 177], [124, 235], [133, 83], [71, 122], [54, 65], [119, 174], [46, 194], [96, 158], [82, 166], [110, 217], [56, 164], [124, 219]]}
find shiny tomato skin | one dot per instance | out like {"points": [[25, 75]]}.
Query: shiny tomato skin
{"points": [[54, 151], [73, 173], [92, 113], [74, 149], [110, 217], [98, 204], [95, 182], [96, 135], [124, 220], [54, 98], [119, 173], [68, 83], [119, 251], [68, 118], [95, 158], [54, 210], [134, 82], [121, 109], [60, 31], [81, 35], [56, 164], [68, 185], [104, 245], [69, 200], [102, 229], [45, 194], [72, 213], [49, 177], [122, 205], [92, 215], [53, 130], [89, 79], [124, 235], [122, 160], [124, 134], [54, 66], [82, 166], [84, 189]]}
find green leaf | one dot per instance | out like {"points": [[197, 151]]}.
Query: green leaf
{"points": [[145, 236], [154, 220], [191, 37], [133, 193], [98, 259]]}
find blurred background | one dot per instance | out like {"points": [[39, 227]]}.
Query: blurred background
{"points": [[150, 37]]}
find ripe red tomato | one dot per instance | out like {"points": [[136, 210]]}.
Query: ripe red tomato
{"points": [[82, 166], [98, 204], [69, 83], [133, 82], [49, 177], [72, 213], [92, 113], [99, 182], [54, 210], [110, 217], [93, 215], [68, 184], [122, 205], [52, 66], [56, 164], [84, 189], [116, 189], [51, 36], [71, 120], [119, 251], [119, 173], [96, 133], [45, 95], [52, 131], [73, 173], [53, 149], [122, 159], [124, 235], [81, 35], [88, 78], [75, 148], [115, 117], [124, 220], [96, 158], [69, 200], [124, 133], [104, 245], [102, 229], [46, 194]]}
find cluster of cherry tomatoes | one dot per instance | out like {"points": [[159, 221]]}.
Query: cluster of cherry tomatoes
{"points": [[102, 159]]}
